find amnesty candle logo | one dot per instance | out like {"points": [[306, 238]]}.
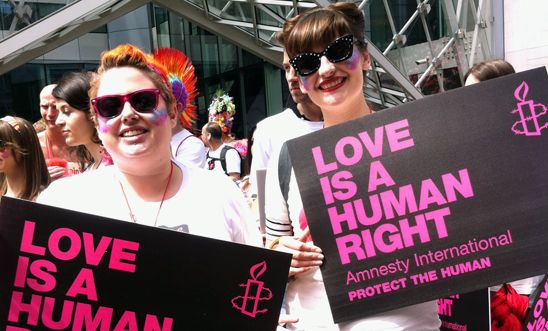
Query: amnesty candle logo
{"points": [[530, 121], [248, 304]]}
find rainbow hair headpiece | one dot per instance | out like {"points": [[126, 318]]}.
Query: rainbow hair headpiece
{"points": [[181, 77], [221, 110]]}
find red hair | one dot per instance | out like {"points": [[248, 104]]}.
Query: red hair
{"points": [[127, 55]]}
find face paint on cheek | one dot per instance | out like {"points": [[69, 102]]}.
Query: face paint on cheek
{"points": [[159, 117], [104, 127], [353, 62], [6, 153], [305, 83]]}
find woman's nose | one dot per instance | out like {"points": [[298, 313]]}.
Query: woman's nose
{"points": [[327, 68], [292, 75], [128, 111], [60, 119]]}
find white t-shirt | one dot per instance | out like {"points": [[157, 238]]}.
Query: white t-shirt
{"points": [[99, 193], [232, 159], [306, 296], [188, 149], [271, 133]]}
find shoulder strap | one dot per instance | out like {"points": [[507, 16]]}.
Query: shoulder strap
{"points": [[182, 141], [223, 157], [284, 171], [209, 157]]}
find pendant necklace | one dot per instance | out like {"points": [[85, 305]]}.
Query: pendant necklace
{"points": [[132, 215]]}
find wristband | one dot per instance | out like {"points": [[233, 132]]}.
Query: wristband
{"points": [[274, 243]]}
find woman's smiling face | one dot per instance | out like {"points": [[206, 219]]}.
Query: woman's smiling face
{"points": [[336, 84], [132, 134]]}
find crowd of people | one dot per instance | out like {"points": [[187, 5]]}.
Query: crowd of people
{"points": [[119, 143]]}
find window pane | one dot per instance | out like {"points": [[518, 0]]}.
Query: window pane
{"points": [[228, 56], [22, 93], [254, 92], [210, 55]]}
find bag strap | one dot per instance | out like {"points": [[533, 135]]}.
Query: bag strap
{"points": [[212, 157], [181, 143], [223, 157]]}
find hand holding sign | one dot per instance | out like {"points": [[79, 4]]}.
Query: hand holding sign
{"points": [[305, 255]]}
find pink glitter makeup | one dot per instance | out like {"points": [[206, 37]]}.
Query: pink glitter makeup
{"points": [[159, 116]]}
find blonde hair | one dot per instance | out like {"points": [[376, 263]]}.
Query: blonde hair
{"points": [[320, 26], [21, 137]]}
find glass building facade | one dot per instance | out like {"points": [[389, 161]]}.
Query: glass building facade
{"points": [[418, 48], [218, 64]]}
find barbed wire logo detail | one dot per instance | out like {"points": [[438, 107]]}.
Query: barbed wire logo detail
{"points": [[530, 114], [248, 304]]}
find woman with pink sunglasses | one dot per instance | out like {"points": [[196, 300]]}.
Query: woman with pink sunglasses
{"points": [[327, 49], [135, 111]]}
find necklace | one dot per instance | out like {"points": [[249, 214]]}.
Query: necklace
{"points": [[93, 166], [131, 214]]}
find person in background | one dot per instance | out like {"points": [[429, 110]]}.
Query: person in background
{"points": [[303, 118], [221, 157], [487, 70], [249, 157], [185, 146], [23, 170], [244, 183], [333, 80], [135, 111], [221, 111], [61, 162], [75, 120]]}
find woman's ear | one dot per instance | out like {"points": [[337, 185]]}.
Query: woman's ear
{"points": [[173, 116], [366, 64], [95, 121]]}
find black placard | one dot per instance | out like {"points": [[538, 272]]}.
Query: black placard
{"points": [[440, 196], [465, 312], [82, 272], [537, 318]]}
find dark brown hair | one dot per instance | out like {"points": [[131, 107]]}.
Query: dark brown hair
{"points": [[214, 129], [73, 88], [283, 34], [25, 146], [320, 26], [490, 69]]}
